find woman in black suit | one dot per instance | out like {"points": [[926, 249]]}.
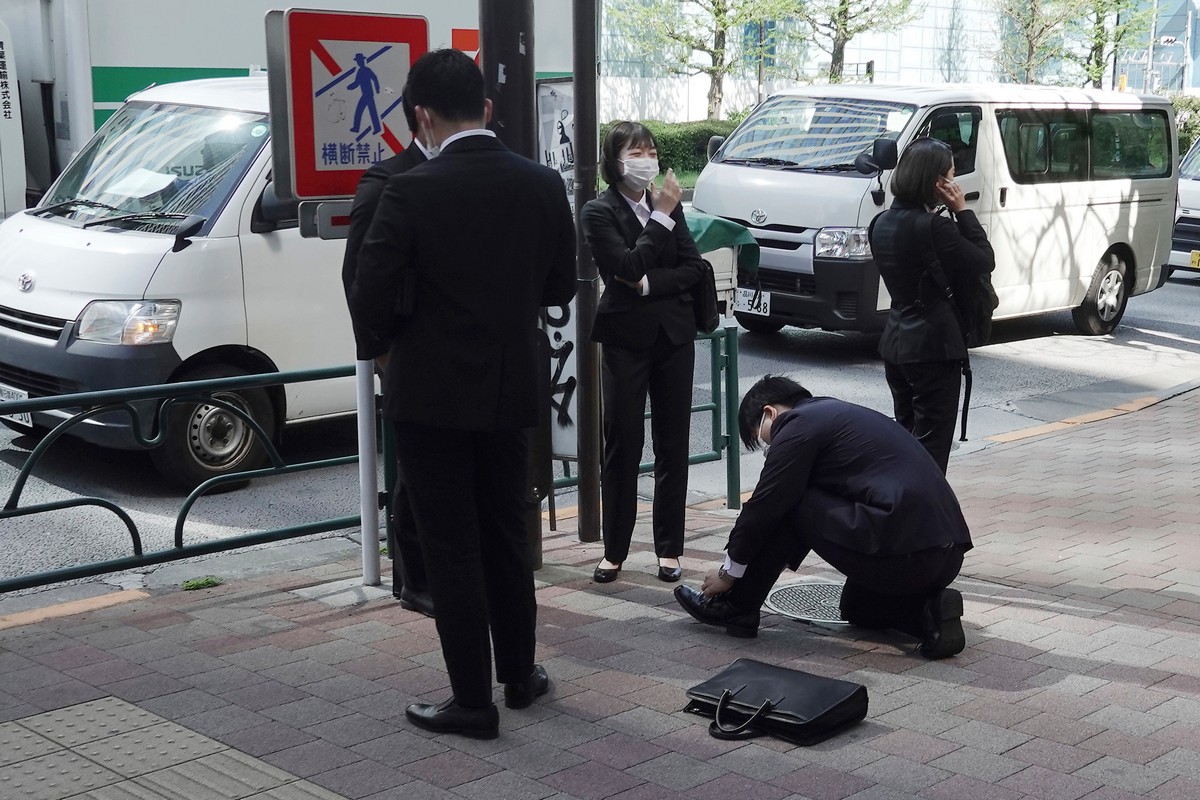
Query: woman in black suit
{"points": [[922, 344], [645, 321]]}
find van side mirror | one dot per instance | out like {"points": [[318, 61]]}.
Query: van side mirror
{"points": [[714, 144], [273, 212], [883, 156]]}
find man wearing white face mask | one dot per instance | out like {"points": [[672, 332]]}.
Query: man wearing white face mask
{"points": [[646, 323], [860, 491]]}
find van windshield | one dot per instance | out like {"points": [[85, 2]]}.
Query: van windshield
{"points": [[1190, 166], [817, 133], [153, 165]]}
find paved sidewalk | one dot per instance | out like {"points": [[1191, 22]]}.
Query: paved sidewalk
{"points": [[1081, 678]]}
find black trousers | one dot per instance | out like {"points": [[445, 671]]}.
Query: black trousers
{"points": [[885, 591], [925, 399], [664, 372], [467, 490], [408, 564]]}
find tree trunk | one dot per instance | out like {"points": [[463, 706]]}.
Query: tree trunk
{"points": [[837, 53], [716, 77]]}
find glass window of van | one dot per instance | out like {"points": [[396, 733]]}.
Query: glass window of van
{"points": [[813, 133], [1062, 145], [959, 128], [152, 159], [1189, 167], [1130, 144]]}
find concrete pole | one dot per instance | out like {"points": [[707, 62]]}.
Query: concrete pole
{"points": [[587, 67]]}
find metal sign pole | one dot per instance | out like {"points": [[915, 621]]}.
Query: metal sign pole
{"points": [[368, 465]]}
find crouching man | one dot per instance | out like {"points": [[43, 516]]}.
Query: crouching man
{"points": [[857, 489]]}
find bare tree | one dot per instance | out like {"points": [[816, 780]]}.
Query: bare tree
{"points": [[949, 57], [1032, 36], [836, 22], [1099, 31], [703, 37]]}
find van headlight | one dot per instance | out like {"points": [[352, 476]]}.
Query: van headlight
{"points": [[128, 321], [843, 243]]}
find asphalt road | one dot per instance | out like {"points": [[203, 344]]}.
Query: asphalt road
{"points": [[1035, 370]]}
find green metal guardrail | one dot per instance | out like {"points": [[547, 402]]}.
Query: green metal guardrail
{"points": [[95, 403], [723, 359]]}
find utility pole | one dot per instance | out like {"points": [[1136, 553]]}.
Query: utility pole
{"points": [[506, 53], [587, 67]]}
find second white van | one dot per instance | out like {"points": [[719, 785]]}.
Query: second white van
{"points": [[1075, 188]]}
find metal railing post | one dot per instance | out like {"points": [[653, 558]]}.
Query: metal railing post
{"points": [[733, 465]]}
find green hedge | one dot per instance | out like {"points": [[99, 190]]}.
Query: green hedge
{"points": [[682, 146]]}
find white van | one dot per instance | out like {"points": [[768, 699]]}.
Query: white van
{"points": [[1185, 242], [1075, 188], [161, 254]]}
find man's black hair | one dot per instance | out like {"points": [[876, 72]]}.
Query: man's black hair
{"points": [[448, 83], [769, 390], [619, 136], [410, 113]]}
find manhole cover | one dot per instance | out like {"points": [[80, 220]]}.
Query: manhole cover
{"points": [[808, 602]]}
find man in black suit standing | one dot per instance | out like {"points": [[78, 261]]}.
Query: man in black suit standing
{"points": [[409, 583], [463, 252]]}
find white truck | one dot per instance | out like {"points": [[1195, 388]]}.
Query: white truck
{"points": [[161, 252]]}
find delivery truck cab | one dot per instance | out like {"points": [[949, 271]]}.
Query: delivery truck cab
{"points": [[1075, 188], [161, 254]]}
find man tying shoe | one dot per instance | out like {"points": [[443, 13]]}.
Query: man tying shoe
{"points": [[857, 489]]}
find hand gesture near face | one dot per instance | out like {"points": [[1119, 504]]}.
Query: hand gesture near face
{"points": [[668, 197], [951, 194]]}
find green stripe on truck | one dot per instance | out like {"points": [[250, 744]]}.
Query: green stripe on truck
{"points": [[115, 84]]}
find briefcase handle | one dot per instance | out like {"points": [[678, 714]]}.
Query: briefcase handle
{"points": [[742, 731]]}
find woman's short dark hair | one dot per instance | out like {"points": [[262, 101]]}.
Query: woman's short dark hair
{"points": [[769, 390], [923, 162], [620, 136]]}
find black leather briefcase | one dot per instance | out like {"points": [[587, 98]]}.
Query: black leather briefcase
{"points": [[749, 698]]}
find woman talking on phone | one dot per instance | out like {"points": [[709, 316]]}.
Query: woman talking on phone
{"points": [[646, 324], [923, 346]]}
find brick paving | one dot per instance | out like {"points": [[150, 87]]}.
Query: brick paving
{"points": [[1080, 681]]}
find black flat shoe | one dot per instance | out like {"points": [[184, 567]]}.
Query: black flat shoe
{"points": [[942, 622], [421, 602], [605, 575], [669, 574], [449, 717], [522, 694], [718, 611]]}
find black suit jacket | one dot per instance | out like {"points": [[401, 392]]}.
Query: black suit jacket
{"points": [[962, 249], [362, 211], [622, 248], [485, 239], [851, 476]]}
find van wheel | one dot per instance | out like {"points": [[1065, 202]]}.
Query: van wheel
{"points": [[205, 440], [756, 324], [1105, 301]]}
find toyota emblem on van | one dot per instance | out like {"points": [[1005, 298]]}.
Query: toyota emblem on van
{"points": [[758, 216], [25, 282]]}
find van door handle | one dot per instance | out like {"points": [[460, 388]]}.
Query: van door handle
{"points": [[969, 196], [1003, 196]]}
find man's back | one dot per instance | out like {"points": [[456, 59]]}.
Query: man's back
{"points": [[490, 239]]}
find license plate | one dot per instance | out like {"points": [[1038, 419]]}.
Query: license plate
{"points": [[9, 393], [1196, 259], [752, 301]]}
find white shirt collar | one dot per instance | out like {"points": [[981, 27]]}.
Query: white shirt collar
{"points": [[465, 134], [421, 146]]}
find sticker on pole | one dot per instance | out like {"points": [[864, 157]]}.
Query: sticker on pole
{"points": [[336, 82]]}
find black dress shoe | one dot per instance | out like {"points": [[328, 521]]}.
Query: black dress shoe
{"points": [[605, 575], [523, 693], [718, 611], [421, 602], [942, 634], [669, 574], [449, 717]]}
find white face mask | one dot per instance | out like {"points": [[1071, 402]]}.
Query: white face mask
{"points": [[432, 150], [639, 172]]}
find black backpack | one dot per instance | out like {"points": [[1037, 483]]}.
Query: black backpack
{"points": [[973, 297]]}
